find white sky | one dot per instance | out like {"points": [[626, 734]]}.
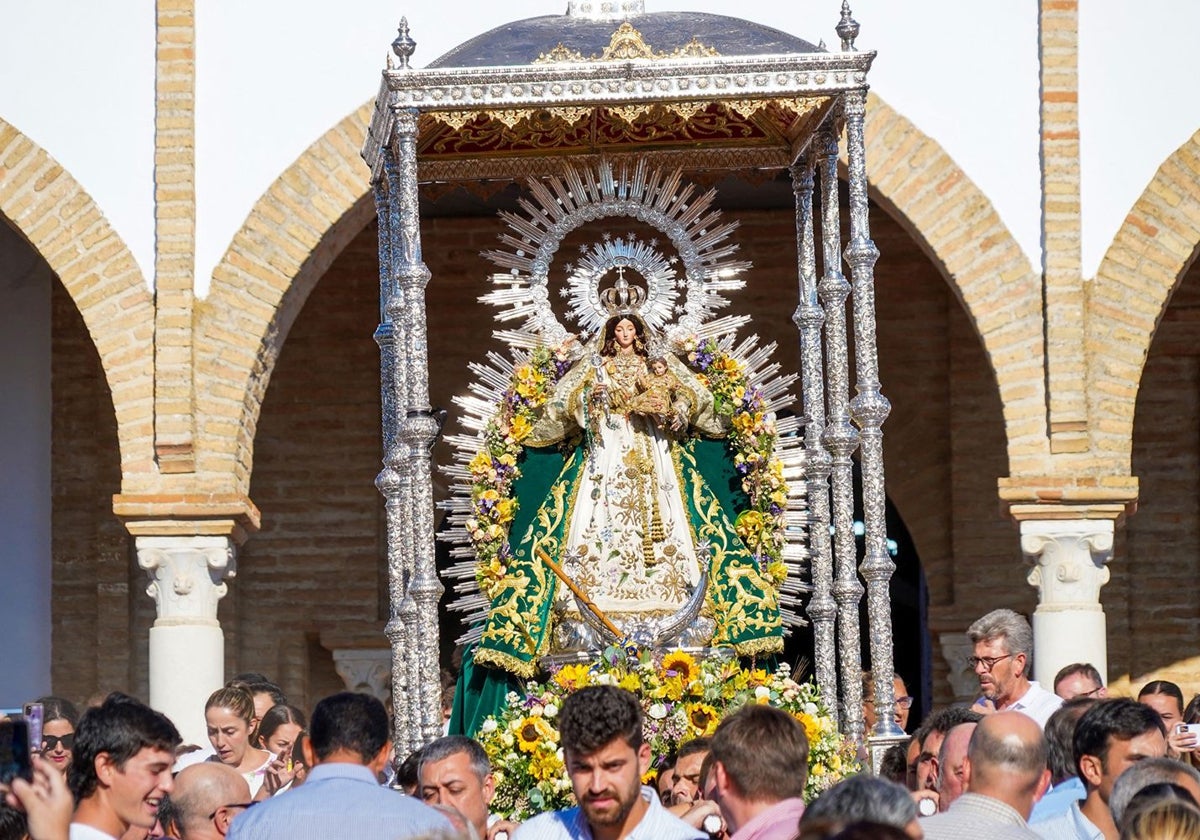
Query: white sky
{"points": [[76, 76]]}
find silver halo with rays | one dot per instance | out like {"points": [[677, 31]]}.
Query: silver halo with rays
{"points": [[664, 202], [564, 203]]}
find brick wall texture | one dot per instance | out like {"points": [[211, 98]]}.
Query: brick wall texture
{"points": [[314, 573]]}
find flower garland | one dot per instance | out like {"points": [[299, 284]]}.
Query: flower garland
{"points": [[752, 434], [681, 699]]}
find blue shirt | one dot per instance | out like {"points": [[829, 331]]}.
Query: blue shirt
{"points": [[338, 800], [657, 824], [1058, 800]]}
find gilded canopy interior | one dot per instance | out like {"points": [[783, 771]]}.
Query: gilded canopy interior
{"points": [[698, 91]]}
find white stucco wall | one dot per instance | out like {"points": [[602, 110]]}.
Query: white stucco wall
{"points": [[273, 75]]}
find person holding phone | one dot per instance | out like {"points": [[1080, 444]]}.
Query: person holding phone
{"points": [[277, 734], [59, 719]]}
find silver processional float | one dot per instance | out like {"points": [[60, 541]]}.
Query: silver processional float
{"points": [[608, 115]]}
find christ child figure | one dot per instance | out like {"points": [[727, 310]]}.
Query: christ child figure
{"points": [[657, 394]]}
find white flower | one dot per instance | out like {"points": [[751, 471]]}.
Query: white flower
{"points": [[507, 739], [605, 679], [762, 693], [811, 709], [536, 711], [488, 726], [658, 711], [550, 710]]}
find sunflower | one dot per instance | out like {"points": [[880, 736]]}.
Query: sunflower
{"points": [[702, 717], [681, 665], [531, 731]]}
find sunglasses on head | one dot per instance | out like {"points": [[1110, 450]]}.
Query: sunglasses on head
{"points": [[51, 742]]}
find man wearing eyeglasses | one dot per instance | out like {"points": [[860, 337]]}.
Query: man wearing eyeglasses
{"points": [[1079, 679], [207, 798], [1002, 658], [899, 691]]}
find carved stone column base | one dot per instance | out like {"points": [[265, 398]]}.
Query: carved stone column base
{"points": [[1069, 558]]}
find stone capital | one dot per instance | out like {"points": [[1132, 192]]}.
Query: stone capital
{"points": [[367, 670], [1070, 559], [187, 576]]}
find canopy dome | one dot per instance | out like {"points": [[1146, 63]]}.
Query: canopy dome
{"points": [[522, 42]]}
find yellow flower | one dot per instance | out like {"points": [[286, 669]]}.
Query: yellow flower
{"points": [[545, 765], [649, 776], [505, 508], [812, 729], [673, 688], [630, 682], [703, 718], [531, 731], [778, 571], [520, 427], [481, 464], [489, 495], [572, 677], [749, 527], [682, 664]]}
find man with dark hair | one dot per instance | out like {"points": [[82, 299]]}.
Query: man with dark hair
{"points": [[121, 768], [347, 747], [685, 790], [600, 728], [455, 771], [1002, 659], [1109, 738], [1065, 785], [1079, 679], [759, 764], [1005, 772]]}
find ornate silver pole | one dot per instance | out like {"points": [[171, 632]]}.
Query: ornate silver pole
{"points": [[809, 317], [394, 482], [870, 408], [840, 437], [418, 430]]}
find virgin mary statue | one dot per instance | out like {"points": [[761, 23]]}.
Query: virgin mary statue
{"points": [[627, 484]]}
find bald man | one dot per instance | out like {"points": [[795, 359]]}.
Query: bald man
{"points": [[1005, 773], [207, 797], [952, 761]]}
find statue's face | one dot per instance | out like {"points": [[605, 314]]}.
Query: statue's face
{"points": [[624, 332]]}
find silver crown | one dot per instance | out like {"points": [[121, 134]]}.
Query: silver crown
{"points": [[621, 298]]}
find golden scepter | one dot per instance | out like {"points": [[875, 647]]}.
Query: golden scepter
{"points": [[579, 593]]}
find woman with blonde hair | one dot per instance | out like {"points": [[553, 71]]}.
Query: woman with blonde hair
{"points": [[1170, 819], [232, 725]]}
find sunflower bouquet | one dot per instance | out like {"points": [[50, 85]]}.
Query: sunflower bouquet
{"points": [[682, 698]]}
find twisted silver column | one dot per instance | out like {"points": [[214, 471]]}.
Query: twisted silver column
{"points": [[393, 481], [869, 409], [809, 317], [840, 437], [418, 430]]}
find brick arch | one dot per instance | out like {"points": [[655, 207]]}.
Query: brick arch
{"points": [[295, 230], [63, 224], [1150, 254], [308, 215], [956, 225]]}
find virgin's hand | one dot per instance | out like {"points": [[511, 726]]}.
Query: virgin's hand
{"points": [[46, 801], [678, 422]]}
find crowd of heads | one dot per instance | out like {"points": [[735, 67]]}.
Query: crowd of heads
{"points": [[1131, 760]]}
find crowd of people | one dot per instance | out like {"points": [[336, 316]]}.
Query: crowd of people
{"points": [[1021, 762]]}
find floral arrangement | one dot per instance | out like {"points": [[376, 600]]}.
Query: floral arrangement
{"points": [[682, 698], [752, 433]]}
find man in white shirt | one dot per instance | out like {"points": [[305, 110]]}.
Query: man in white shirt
{"points": [[601, 731], [121, 770], [1002, 658]]}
